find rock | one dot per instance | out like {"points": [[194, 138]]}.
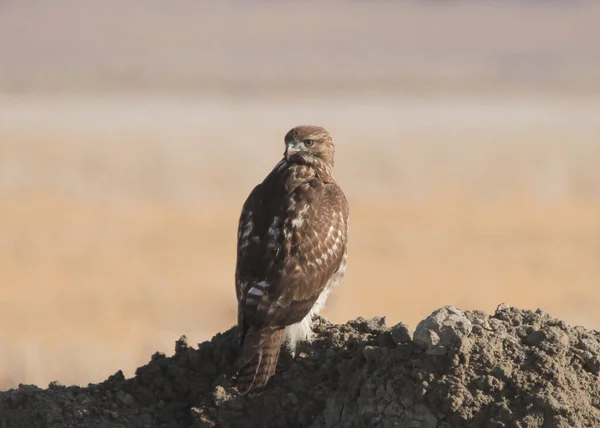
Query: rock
{"points": [[442, 330], [125, 398], [400, 333], [515, 368], [181, 345], [54, 415], [370, 325], [144, 420]]}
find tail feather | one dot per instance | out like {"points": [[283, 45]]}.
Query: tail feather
{"points": [[260, 352]]}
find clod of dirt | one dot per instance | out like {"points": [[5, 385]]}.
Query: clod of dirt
{"points": [[442, 330], [516, 368]]}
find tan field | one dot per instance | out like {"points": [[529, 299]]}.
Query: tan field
{"points": [[472, 165]]}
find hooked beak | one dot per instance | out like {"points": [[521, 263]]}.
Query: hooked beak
{"points": [[290, 150]]}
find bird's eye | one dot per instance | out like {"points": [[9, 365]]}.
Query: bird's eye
{"points": [[309, 143]]}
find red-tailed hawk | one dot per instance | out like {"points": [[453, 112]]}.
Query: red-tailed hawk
{"points": [[291, 252]]}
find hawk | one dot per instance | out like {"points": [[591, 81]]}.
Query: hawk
{"points": [[291, 252]]}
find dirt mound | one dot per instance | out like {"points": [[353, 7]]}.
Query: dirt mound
{"points": [[515, 368]]}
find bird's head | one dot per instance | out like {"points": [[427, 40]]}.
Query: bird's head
{"points": [[309, 144]]}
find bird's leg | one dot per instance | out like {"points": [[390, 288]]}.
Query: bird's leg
{"points": [[318, 321]]}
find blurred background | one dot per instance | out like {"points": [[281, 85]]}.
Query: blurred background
{"points": [[468, 144]]}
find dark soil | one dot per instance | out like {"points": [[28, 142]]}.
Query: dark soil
{"points": [[516, 368]]}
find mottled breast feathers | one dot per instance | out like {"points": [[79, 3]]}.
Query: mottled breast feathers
{"points": [[292, 237]]}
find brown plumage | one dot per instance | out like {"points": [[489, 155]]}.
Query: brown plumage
{"points": [[291, 252]]}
